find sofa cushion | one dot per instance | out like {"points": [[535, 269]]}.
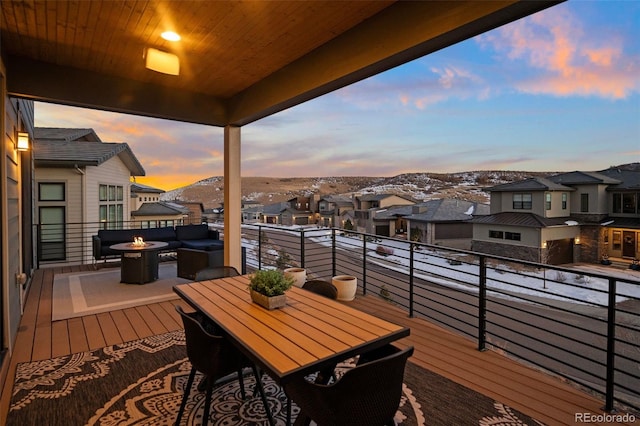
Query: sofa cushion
{"points": [[205, 244], [166, 233], [192, 232], [115, 236]]}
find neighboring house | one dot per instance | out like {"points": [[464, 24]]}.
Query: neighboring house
{"points": [[367, 207], [252, 214], [288, 213], [445, 222], [196, 211], [79, 180], [607, 203], [149, 212], [569, 217], [299, 211], [141, 194], [160, 214], [331, 208], [213, 215], [271, 212], [251, 211]]}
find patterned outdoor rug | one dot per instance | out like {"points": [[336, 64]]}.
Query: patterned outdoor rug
{"points": [[142, 383]]}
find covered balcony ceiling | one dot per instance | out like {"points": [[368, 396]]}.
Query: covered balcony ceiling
{"points": [[239, 61]]}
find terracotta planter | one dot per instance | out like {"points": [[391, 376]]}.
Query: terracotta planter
{"points": [[346, 285], [267, 302], [299, 275]]}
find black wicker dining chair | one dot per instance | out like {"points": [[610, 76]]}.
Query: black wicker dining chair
{"points": [[216, 358], [214, 272], [323, 288], [366, 395]]}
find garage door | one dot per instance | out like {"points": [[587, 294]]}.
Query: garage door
{"points": [[382, 230], [560, 251], [302, 220]]}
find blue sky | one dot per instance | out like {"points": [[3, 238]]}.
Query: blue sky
{"points": [[556, 91]]}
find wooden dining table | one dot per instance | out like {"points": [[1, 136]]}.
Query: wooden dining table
{"points": [[309, 333]]}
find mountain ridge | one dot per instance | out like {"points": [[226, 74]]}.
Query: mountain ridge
{"points": [[421, 186]]}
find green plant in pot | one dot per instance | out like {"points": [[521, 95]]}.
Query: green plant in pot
{"points": [[267, 288]]}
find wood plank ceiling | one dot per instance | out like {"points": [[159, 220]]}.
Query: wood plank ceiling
{"points": [[239, 60]]}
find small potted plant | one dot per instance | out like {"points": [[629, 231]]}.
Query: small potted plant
{"points": [[605, 259], [635, 264], [267, 288]]}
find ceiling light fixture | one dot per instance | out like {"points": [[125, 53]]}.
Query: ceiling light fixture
{"points": [[170, 36], [160, 61]]}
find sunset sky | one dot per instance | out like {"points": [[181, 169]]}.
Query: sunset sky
{"points": [[557, 91]]}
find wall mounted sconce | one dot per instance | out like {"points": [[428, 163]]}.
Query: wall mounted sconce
{"points": [[577, 240], [23, 141], [160, 61]]}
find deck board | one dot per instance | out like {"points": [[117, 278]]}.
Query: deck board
{"points": [[60, 344], [530, 391], [95, 338], [109, 329]]}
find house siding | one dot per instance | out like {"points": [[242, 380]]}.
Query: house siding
{"points": [[82, 200], [556, 204], [73, 192], [598, 203], [111, 172], [528, 236], [530, 254], [17, 114]]}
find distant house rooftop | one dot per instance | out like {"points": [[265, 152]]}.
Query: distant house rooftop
{"points": [[447, 209], [529, 220], [161, 208], [532, 184], [69, 148], [378, 197], [138, 187]]}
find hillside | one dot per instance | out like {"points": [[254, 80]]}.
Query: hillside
{"points": [[421, 186]]}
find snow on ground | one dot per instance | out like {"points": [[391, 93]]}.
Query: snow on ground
{"points": [[436, 267]]}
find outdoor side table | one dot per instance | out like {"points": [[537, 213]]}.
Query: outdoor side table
{"points": [[139, 263]]}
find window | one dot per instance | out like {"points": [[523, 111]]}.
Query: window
{"points": [[584, 203], [53, 230], [564, 201], [111, 208], [495, 234], [629, 203], [51, 191], [513, 236], [617, 240], [52, 196], [626, 202], [547, 201], [522, 201]]}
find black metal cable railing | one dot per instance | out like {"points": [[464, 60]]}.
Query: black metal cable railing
{"points": [[581, 325]]}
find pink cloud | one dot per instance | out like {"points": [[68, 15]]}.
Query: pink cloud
{"points": [[569, 60]]}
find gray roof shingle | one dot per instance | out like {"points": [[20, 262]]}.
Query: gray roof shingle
{"points": [[529, 220], [447, 209], [61, 150], [582, 178], [159, 209], [532, 184]]}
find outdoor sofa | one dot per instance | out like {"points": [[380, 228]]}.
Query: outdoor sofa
{"points": [[198, 237]]}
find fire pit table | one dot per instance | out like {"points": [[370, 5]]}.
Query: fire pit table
{"points": [[139, 261]]}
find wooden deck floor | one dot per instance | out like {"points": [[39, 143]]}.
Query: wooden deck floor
{"points": [[536, 394]]}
